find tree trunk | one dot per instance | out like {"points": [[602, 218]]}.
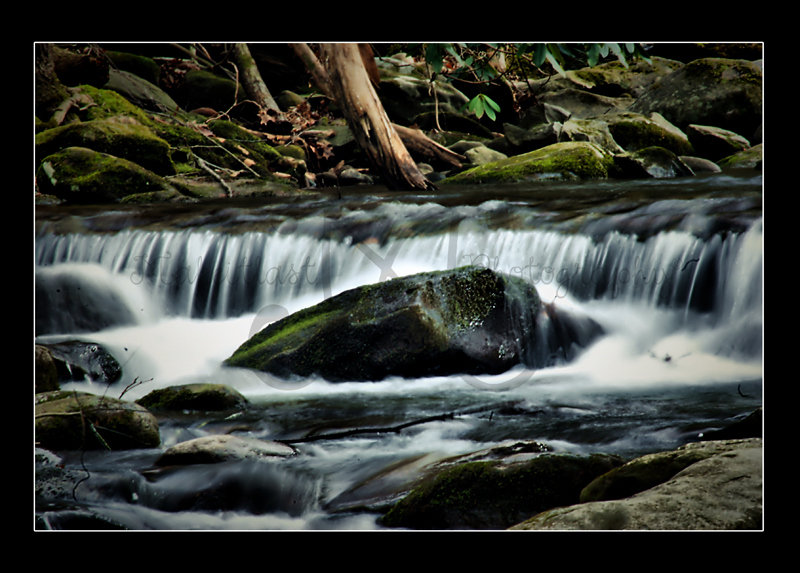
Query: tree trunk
{"points": [[49, 90], [354, 93], [251, 79]]}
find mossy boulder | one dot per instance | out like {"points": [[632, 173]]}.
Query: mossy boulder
{"points": [[406, 97], [118, 136], [203, 397], [205, 89], [497, 494], [589, 130], [46, 373], [82, 176], [140, 91], [75, 421], [711, 91], [634, 131], [571, 160], [468, 320], [144, 67]]}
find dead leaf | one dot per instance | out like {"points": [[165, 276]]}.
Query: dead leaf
{"points": [[242, 149], [249, 162]]}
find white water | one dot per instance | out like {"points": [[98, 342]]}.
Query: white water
{"points": [[682, 316]]}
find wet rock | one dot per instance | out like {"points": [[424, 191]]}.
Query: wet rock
{"points": [[719, 488], [46, 374], [747, 159], [225, 448], [494, 494], [203, 397], [468, 320], [74, 421], [714, 143], [654, 162]]}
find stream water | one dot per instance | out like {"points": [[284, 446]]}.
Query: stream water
{"points": [[671, 269]]}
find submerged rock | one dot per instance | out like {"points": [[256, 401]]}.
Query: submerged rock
{"points": [[468, 320], [216, 449]]}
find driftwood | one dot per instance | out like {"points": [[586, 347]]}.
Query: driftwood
{"points": [[419, 143]]}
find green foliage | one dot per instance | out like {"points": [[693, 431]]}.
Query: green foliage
{"points": [[477, 62]]}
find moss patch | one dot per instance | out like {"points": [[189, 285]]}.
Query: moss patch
{"points": [[568, 160]]}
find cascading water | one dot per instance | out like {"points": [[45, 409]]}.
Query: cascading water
{"points": [[681, 314]]}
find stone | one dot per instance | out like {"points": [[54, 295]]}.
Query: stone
{"points": [[720, 92], [468, 320], [222, 448], [713, 143], [654, 162], [203, 397], [78, 420], [719, 487]]}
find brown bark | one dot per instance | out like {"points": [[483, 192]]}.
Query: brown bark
{"points": [[49, 90], [353, 91]]}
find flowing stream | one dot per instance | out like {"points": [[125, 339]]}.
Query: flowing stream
{"points": [[671, 269]]}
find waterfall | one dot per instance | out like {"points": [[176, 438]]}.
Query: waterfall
{"points": [[204, 274]]}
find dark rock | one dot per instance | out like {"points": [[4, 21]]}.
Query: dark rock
{"points": [[711, 91], [205, 397], [703, 486], [713, 143], [76, 360], [651, 162], [496, 494], [46, 374], [468, 320]]}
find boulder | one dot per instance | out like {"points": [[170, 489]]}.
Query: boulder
{"points": [[710, 91], [141, 92], [118, 136], [77, 360], [634, 131], [581, 104], [494, 494], [713, 143], [590, 130], [205, 397], [571, 160], [81, 176], [468, 320], [406, 97], [78, 420], [719, 488]]}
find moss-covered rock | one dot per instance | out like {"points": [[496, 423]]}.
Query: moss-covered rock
{"points": [[205, 89], [144, 67], [747, 159], [468, 320], [634, 131], [140, 92], [46, 373], [711, 91], [74, 421], [570, 160], [589, 130], [117, 136], [205, 397], [82, 176], [497, 495]]}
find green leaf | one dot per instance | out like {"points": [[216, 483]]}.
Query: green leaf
{"points": [[433, 55], [476, 106], [594, 54], [539, 55]]}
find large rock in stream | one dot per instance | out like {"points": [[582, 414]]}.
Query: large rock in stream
{"points": [[469, 320]]}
